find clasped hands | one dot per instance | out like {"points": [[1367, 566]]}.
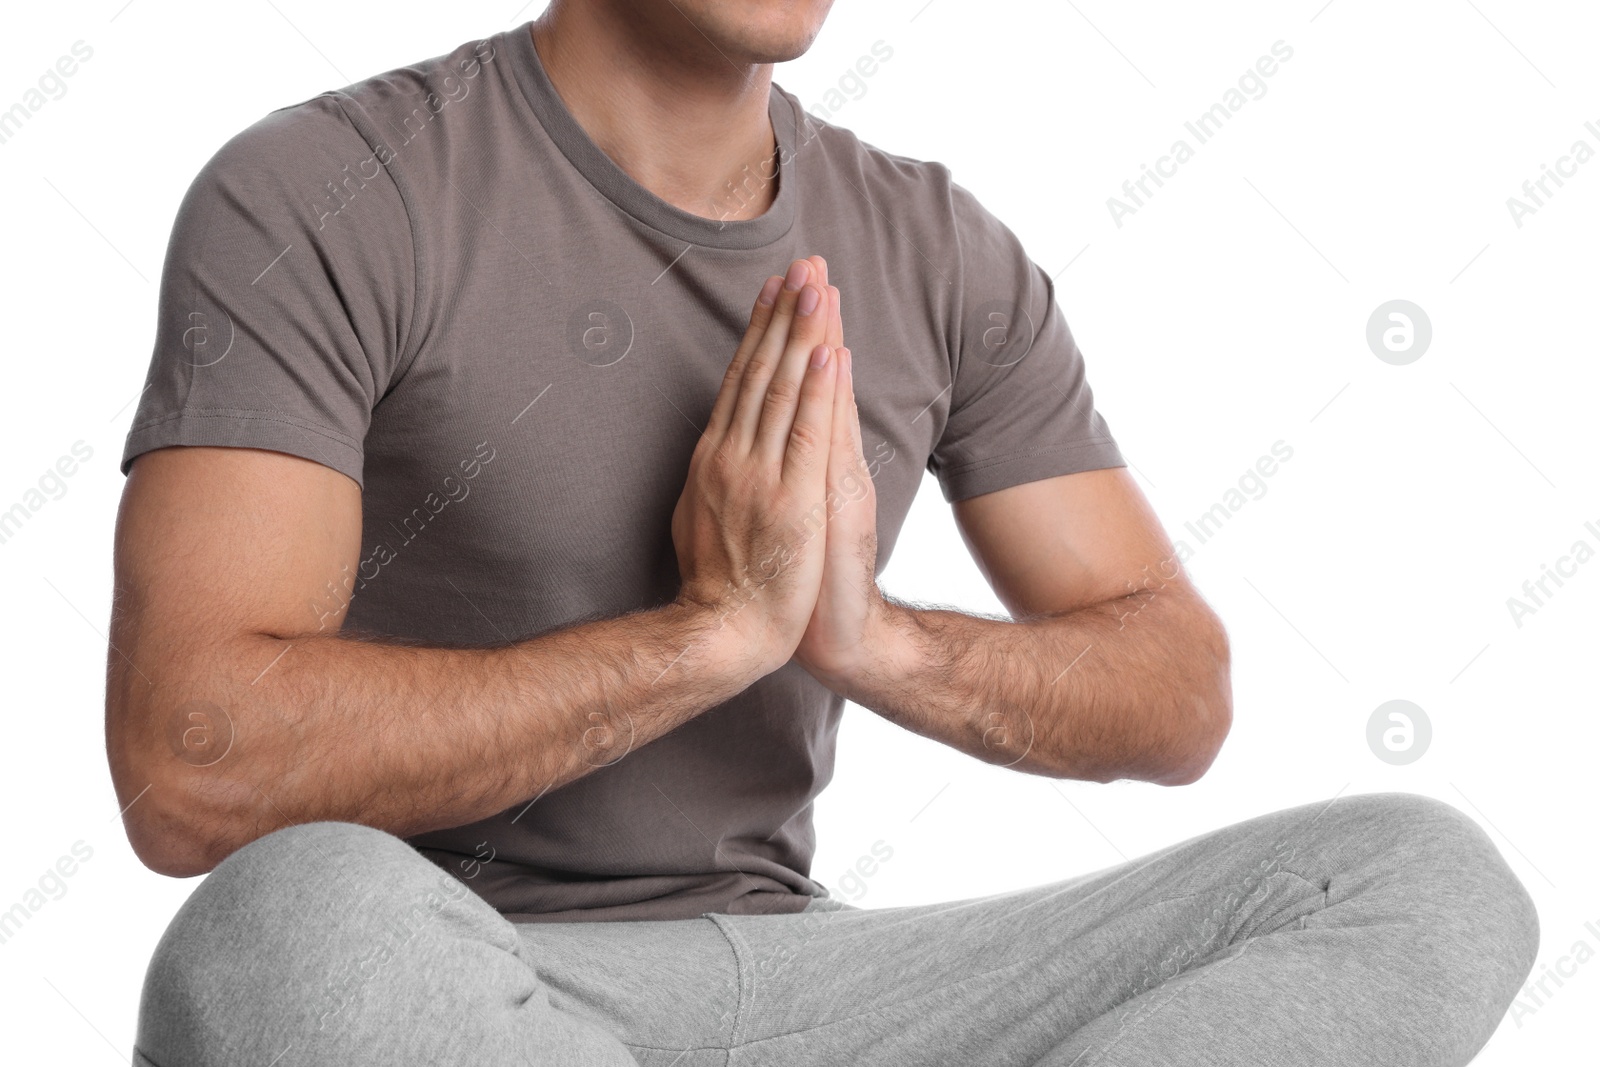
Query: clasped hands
{"points": [[776, 528]]}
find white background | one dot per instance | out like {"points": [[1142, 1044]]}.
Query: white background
{"points": [[1228, 313]]}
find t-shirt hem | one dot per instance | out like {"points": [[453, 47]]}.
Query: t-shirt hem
{"points": [[1003, 472], [229, 427]]}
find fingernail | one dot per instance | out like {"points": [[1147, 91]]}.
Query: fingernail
{"points": [[769, 291], [809, 299], [819, 356], [847, 363], [798, 273]]}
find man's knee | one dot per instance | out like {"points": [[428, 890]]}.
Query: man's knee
{"points": [[1454, 868], [298, 878], [287, 931], [318, 851]]}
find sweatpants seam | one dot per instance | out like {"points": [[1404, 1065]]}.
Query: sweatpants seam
{"points": [[740, 963], [659, 1048]]}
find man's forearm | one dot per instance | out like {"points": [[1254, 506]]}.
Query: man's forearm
{"points": [[240, 738], [1133, 688]]}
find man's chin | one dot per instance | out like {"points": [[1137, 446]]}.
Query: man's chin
{"points": [[752, 36], [758, 51]]}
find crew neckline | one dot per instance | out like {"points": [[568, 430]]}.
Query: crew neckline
{"points": [[619, 187]]}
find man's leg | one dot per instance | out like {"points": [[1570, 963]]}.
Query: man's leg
{"points": [[1381, 930], [334, 943]]}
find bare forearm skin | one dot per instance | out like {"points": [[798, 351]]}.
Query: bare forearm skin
{"points": [[403, 738], [1136, 687]]}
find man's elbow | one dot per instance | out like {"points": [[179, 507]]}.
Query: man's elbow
{"points": [[171, 809], [167, 846], [1205, 715], [1200, 745]]}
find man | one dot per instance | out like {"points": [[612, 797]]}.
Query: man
{"points": [[499, 549]]}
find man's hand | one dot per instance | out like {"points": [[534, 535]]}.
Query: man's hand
{"points": [[749, 526], [849, 607]]}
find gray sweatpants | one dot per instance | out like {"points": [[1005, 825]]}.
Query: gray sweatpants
{"points": [[1382, 929]]}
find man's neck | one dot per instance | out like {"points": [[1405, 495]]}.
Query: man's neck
{"points": [[690, 125]]}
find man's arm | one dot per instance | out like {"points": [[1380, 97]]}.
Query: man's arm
{"points": [[233, 708], [1114, 667]]}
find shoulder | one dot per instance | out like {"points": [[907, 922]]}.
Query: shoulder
{"points": [[284, 142], [822, 145], [918, 199], [368, 123], [373, 148]]}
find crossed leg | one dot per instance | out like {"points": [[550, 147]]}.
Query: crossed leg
{"points": [[1382, 929], [335, 943]]}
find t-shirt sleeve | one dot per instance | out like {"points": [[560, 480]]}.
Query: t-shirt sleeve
{"points": [[286, 295], [1020, 407]]}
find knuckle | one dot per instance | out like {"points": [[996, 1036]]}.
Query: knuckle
{"points": [[716, 463], [783, 391], [805, 439], [758, 366]]}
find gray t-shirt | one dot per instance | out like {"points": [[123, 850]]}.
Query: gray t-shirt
{"points": [[433, 281]]}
